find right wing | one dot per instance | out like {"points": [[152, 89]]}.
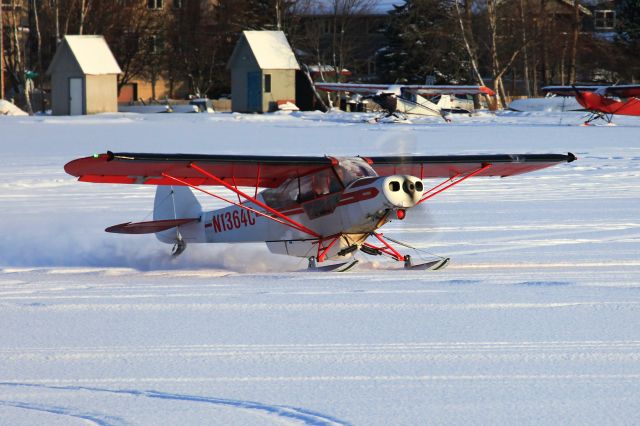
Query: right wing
{"points": [[449, 166]]}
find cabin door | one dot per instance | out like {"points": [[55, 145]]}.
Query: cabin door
{"points": [[75, 96], [254, 92]]}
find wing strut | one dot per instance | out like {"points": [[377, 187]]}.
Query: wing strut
{"points": [[259, 213], [456, 179], [289, 222]]}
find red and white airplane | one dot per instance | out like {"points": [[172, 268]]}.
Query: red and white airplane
{"points": [[603, 102], [398, 100], [319, 208]]}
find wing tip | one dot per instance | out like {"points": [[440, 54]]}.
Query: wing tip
{"points": [[571, 157]]}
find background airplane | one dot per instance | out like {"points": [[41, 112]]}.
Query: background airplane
{"points": [[398, 100], [603, 102]]}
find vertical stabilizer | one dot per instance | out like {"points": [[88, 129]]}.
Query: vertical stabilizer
{"points": [[177, 202]]}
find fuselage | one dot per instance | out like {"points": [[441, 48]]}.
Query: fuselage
{"points": [[319, 202], [596, 102]]}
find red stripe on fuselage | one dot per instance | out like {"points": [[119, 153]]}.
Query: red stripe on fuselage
{"points": [[347, 198]]}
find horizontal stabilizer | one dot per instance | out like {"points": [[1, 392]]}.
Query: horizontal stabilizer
{"points": [[150, 227]]}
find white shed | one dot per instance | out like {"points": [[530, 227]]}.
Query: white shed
{"points": [[263, 72], [84, 76]]}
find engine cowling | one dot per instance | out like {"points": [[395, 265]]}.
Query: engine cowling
{"points": [[402, 191]]}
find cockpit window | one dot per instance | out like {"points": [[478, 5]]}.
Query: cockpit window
{"points": [[283, 196], [319, 184], [332, 180]]}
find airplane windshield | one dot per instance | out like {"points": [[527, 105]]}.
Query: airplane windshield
{"points": [[351, 169], [317, 185]]}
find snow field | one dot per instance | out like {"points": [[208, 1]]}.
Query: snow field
{"points": [[534, 322]]}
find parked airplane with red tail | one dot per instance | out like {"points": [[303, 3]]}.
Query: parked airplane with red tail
{"points": [[603, 102]]}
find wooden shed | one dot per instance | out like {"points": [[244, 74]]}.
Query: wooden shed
{"points": [[263, 72], [84, 76]]}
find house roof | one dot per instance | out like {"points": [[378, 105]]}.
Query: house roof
{"points": [[91, 52], [327, 7], [581, 7], [568, 3], [270, 48]]}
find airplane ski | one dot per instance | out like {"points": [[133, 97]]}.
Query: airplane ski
{"points": [[335, 267], [433, 265]]}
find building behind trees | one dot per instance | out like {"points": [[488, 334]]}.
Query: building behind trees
{"points": [[177, 48]]}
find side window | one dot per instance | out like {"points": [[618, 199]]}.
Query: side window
{"points": [[283, 196], [318, 185], [605, 19], [267, 83], [155, 4]]}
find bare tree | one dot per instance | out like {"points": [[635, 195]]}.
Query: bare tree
{"points": [[15, 51], [85, 5], [525, 53], [199, 43], [1, 52], [344, 14], [467, 36], [512, 48], [574, 43]]}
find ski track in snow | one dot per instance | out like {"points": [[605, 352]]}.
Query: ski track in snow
{"points": [[97, 419], [298, 415]]}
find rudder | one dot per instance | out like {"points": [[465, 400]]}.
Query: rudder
{"points": [[174, 202]]}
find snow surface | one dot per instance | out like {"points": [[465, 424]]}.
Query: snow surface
{"points": [[8, 108], [534, 322]]}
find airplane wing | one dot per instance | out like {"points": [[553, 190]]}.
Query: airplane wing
{"points": [[271, 171], [571, 90], [363, 89], [624, 91], [366, 89], [438, 89], [449, 166], [237, 170]]}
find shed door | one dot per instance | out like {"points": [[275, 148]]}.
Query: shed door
{"points": [[75, 96], [254, 91]]}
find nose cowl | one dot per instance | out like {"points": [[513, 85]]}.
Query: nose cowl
{"points": [[403, 190]]}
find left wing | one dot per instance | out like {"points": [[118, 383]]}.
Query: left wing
{"points": [[449, 166], [236, 170]]}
